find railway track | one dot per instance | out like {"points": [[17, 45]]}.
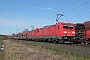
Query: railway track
{"points": [[79, 49], [82, 45]]}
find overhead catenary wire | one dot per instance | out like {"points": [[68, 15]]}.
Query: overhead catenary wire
{"points": [[67, 10], [69, 5], [70, 9], [64, 8], [80, 15], [74, 7], [78, 12]]}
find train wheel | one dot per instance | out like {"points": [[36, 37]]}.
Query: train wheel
{"points": [[86, 42], [34, 39], [55, 42], [60, 41], [75, 42], [82, 42]]}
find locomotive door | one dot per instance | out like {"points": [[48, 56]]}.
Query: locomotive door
{"points": [[57, 30]]}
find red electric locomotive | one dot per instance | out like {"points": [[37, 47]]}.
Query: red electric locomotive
{"points": [[32, 35], [59, 33]]}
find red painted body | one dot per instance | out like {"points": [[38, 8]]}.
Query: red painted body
{"points": [[33, 34], [57, 30], [41, 32], [88, 34]]}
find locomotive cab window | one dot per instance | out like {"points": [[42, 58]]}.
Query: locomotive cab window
{"points": [[65, 26], [70, 27]]}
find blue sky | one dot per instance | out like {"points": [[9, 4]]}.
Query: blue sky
{"points": [[24, 13]]}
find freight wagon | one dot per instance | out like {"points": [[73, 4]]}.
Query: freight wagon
{"points": [[83, 32], [87, 28]]}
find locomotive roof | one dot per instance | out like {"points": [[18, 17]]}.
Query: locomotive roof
{"points": [[49, 26], [86, 24], [64, 23], [67, 23]]}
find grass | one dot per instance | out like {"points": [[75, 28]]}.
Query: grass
{"points": [[63, 55], [70, 56], [66, 55]]}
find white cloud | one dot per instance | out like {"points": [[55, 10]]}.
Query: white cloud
{"points": [[13, 23], [11, 15], [48, 8], [24, 23], [45, 8]]}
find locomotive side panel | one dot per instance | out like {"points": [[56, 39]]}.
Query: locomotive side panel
{"points": [[40, 33], [88, 34], [45, 33], [52, 31]]}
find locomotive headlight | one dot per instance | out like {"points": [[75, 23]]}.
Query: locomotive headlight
{"points": [[73, 32], [65, 32]]}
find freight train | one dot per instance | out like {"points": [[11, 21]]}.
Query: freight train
{"points": [[61, 32]]}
